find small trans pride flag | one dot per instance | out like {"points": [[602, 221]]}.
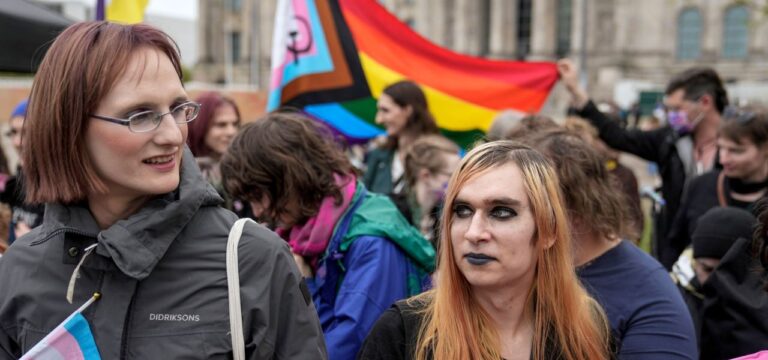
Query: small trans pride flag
{"points": [[71, 340]]}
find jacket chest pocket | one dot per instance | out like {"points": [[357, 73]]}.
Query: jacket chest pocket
{"points": [[211, 342]]}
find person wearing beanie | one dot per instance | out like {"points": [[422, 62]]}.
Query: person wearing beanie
{"points": [[715, 232], [734, 307]]}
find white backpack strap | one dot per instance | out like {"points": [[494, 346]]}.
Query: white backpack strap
{"points": [[233, 284]]}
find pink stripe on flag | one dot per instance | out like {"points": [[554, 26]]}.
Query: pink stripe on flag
{"points": [[66, 344]]}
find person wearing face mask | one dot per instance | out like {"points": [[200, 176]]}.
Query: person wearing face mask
{"points": [[734, 309], [130, 221], [429, 164], [403, 112], [685, 148], [743, 152], [648, 316]]}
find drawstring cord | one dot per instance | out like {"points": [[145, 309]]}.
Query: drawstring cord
{"points": [[76, 273]]}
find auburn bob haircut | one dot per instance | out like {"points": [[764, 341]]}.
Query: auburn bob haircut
{"points": [[80, 68]]}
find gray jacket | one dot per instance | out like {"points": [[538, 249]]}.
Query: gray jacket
{"points": [[162, 277]]}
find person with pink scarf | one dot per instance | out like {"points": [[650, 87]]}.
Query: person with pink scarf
{"points": [[357, 252]]}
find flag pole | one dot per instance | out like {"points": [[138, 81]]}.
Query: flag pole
{"points": [[96, 296], [99, 10]]}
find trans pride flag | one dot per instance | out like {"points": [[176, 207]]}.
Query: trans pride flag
{"points": [[333, 58], [71, 340]]}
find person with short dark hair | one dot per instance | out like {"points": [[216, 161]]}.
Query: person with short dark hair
{"points": [[403, 111], [129, 216], [357, 252], [694, 100], [647, 314]]}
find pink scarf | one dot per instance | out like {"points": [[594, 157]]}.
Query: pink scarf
{"points": [[311, 239]]}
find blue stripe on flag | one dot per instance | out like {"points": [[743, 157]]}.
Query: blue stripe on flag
{"points": [[344, 121], [78, 327], [320, 62]]}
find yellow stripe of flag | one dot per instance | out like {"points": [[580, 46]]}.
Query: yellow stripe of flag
{"points": [[126, 11]]}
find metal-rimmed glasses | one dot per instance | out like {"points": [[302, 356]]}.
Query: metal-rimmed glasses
{"points": [[147, 121]]}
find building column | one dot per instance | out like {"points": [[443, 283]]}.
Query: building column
{"points": [[503, 28], [543, 30]]}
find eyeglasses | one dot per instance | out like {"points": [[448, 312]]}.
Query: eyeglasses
{"points": [[733, 113], [147, 121]]}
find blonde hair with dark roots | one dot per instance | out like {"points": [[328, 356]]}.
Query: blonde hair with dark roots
{"points": [[456, 327]]}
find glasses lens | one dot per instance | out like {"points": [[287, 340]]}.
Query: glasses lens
{"points": [[143, 122], [185, 112]]}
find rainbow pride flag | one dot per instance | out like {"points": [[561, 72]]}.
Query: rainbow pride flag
{"points": [[71, 340], [333, 58]]}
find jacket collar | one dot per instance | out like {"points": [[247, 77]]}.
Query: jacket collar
{"points": [[137, 244]]}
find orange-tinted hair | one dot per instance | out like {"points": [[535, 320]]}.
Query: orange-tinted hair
{"points": [[456, 327], [78, 70]]}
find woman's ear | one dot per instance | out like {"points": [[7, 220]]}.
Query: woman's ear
{"points": [[408, 110]]}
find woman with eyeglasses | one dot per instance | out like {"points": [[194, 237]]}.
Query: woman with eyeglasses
{"points": [[129, 216], [742, 142]]}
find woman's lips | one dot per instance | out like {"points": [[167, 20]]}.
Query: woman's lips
{"points": [[478, 258]]}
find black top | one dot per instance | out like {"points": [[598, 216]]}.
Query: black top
{"points": [[395, 334], [699, 197], [658, 146], [14, 196]]}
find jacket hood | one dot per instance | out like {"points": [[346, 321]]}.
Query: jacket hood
{"points": [[137, 244]]}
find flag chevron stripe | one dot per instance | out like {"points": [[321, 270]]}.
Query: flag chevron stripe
{"points": [[494, 84], [348, 123], [316, 59], [345, 81]]}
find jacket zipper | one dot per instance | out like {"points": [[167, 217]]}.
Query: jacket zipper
{"points": [[126, 325]]}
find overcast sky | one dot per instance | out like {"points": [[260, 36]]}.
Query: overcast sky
{"points": [[175, 8]]}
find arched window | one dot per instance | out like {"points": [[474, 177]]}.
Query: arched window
{"points": [[689, 34], [735, 32]]}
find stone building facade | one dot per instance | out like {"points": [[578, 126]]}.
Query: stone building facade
{"points": [[629, 46]]}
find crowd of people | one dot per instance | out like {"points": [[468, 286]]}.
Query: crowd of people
{"points": [[523, 246]]}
